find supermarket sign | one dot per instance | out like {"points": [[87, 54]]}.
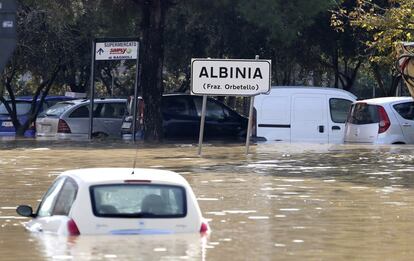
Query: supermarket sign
{"points": [[112, 50]]}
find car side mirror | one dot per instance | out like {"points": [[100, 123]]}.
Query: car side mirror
{"points": [[25, 211]]}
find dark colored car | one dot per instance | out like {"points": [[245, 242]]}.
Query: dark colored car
{"points": [[182, 115], [23, 105]]}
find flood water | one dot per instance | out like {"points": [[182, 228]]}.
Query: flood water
{"points": [[281, 202]]}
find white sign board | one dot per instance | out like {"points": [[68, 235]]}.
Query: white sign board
{"points": [[230, 77], [116, 50]]}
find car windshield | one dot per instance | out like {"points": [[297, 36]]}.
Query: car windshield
{"points": [[22, 107], [57, 109], [138, 201]]}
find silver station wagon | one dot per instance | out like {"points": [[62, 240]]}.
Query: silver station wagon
{"points": [[70, 120]]}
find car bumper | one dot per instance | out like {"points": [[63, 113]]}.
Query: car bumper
{"points": [[62, 136], [27, 134]]}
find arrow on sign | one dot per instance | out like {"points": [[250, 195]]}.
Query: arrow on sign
{"points": [[100, 51]]}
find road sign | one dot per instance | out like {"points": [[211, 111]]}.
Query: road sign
{"points": [[7, 30], [230, 77], [111, 50], [114, 49]]}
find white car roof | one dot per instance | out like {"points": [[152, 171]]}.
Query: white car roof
{"points": [[93, 176], [386, 100], [314, 89]]}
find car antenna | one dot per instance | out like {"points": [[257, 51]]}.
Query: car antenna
{"points": [[135, 160]]}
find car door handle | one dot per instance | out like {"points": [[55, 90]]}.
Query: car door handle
{"points": [[321, 128], [336, 127], [406, 125]]}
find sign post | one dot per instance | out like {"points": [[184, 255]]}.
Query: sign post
{"points": [[229, 77], [107, 49], [203, 118], [7, 30]]}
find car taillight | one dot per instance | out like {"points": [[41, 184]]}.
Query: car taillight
{"points": [[203, 228], [384, 121], [63, 127], [73, 228]]}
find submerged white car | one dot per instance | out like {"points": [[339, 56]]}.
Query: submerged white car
{"points": [[117, 201], [388, 120]]}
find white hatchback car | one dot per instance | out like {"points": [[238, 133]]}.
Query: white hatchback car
{"points": [[388, 120], [117, 201]]}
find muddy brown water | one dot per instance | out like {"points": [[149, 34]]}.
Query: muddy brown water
{"points": [[281, 202]]}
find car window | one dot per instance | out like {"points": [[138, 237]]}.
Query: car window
{"points": [[48, 201], [57, 109], [339, 109], [112, 110], [176, 105], [362, 113], [138, 200], [22, 107], [214, 110], [66, 198], [406, 110], [83, 111]]}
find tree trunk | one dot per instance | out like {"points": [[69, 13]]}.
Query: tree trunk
{"points": [[335, 63], [152, 64], [377, 75]]}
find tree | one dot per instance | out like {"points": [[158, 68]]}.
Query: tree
{"points": [[38, 37], [338, 51], [152, 26], [386, 23]]}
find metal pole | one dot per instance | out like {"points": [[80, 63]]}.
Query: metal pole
{"points": [[249, 126], [92, 91], [203, 117], [112, 82], [134, 104]]}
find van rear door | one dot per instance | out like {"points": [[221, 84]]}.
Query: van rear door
{"points": [[273, 117], [309, 118]]}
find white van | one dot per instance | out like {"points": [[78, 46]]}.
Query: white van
{"points": [[302, 114]]}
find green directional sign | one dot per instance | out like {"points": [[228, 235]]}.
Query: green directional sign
{"points": [[7, 30]]}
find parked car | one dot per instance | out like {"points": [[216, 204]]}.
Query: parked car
{"points": [[302, 114], [70, 120], [181, 115], [388, 120], [23, 105], [117, 201]]}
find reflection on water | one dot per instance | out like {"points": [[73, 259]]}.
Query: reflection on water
{"points": [[281, 202], [133, 247]]}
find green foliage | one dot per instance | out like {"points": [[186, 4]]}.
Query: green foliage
{"points": [[284, 19], [387, 23]]}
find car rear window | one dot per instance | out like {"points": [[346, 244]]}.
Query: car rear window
{"points": [[22, 107], [406, 110], [58, 109], [362, 113], [138, 201]]}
